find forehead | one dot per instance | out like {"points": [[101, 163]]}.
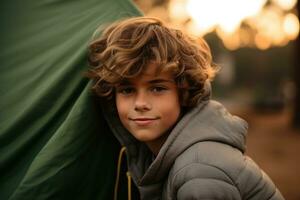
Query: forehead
{"points": [[152, 74], [154, 71]]}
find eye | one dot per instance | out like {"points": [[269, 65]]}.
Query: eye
{"points": [[158, 89], [125, 90]]}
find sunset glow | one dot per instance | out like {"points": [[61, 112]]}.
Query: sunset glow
{"points": [[291, 26], [285, 4], [273, 25]]}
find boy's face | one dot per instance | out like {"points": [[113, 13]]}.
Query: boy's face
{"points": [[148, 106]]}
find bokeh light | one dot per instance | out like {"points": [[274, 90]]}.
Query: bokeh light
{"points": [[272, 24], [285, 4], [291, 26]]}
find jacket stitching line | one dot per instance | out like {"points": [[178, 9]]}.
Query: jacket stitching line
{"points": [[211, 179], [200, 163]]}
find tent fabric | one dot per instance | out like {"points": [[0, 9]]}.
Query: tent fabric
{"points": [[54, 144]]}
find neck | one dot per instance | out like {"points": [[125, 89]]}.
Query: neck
{"points": [[156, 145]]}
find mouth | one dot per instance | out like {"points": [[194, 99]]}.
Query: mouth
{"points": [[144, 121]]}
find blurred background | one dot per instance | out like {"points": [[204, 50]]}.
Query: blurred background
{"points": [[256, 44]]}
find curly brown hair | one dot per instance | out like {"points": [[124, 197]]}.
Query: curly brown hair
{"points": [[126, 47]]}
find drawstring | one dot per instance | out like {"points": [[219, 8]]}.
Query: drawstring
{"points": [[129, 185], [123, 149]]}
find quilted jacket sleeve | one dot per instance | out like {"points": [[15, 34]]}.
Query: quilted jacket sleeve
{"points": [[215, 184], [219, 172], [255, 184], [202, 181], [215, 189]]}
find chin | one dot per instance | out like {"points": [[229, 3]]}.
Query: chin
{"points": [[143, 138]]}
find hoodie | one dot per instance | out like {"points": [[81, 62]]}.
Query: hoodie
{"points": [[202, 158]]}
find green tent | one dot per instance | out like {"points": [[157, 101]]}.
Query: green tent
{"points": [[54, 143]]}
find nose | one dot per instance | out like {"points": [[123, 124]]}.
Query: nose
{"points": [[142, 102]]}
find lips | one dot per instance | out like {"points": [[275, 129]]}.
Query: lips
{"points": [[144, 121]]}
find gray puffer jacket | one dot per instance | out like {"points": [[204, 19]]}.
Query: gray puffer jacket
{"points": [[203, 158]]}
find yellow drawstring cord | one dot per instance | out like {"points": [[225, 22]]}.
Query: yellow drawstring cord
{"points": [[129, 185], [123, 149]]}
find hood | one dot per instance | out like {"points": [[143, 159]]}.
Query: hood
{"points": [[209, 121]]}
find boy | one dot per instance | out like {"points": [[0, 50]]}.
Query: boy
{"points": [[154, 84]]}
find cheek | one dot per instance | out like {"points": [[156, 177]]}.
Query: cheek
{"points": [[171, 110], [122, 106]]}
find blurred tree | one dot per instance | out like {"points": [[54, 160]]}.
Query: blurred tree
{"points": [[296, 115]]}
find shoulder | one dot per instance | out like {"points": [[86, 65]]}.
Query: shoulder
{"points": [[217, 155], [216, 169]]}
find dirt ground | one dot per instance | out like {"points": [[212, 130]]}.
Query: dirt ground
{"points": [[275, 147]]}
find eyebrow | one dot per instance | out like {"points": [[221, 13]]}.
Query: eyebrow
{"points": [[124, 82], [160, 81], [154, 81]]}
